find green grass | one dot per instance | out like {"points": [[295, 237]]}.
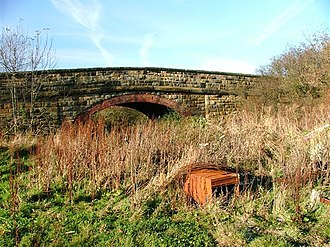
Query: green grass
{"points": [[147, 206], [119, 116], [112, 219], [49, 219]]}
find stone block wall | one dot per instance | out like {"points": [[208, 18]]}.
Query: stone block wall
{"points": [[67, 93]]}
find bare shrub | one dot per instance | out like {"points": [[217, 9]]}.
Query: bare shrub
{"points": [[299, 74]]}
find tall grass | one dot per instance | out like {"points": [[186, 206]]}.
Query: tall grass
{"points": [[154, 155], [85, 157], [281, 155], [285, 147]]}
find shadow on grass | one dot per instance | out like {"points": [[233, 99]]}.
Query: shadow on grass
{"points": [[56, 195], [249, 181], [3, 149], [13, 161], [87, 197]]}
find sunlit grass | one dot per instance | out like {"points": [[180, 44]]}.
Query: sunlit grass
{"points": [[86, 185]]}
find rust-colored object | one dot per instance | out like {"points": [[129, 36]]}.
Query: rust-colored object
{"points": [[325, 200], [200, 183]]}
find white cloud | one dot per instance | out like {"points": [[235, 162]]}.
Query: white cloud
{"points": [[227, 65], [295, 9], [87, 14], [144, 51], [96, 39]]}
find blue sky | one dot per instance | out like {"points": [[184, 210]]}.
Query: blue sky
{"points": [[219, 35]]}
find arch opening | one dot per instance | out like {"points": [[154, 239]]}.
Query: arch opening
{"points": [[153, 106], [151, 110]]}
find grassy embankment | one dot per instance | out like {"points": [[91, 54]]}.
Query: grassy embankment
{"points": [[84, 186]]}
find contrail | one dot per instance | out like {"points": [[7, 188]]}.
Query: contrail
{"points": [[86, 14], [295, 9]]}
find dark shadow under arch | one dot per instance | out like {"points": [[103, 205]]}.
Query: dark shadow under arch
{"points": [[152, 106]]}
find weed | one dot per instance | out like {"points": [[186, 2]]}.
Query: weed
{"points": [[123, 187]]}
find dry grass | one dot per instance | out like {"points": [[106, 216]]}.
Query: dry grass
{"points": [[150, 157], [128, 158], [281, 156]]}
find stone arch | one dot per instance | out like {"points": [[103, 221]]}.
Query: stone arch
{"points": [[148, 104]]}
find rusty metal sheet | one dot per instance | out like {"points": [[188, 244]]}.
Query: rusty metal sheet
{"points": [[199, 183]]}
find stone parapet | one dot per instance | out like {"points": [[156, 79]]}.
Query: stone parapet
{"points": [[67, 93]]}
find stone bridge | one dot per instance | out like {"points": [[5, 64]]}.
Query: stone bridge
{"points": [[76, 94]]}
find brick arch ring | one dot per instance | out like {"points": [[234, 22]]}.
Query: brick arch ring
{"points": [[132, 98]]}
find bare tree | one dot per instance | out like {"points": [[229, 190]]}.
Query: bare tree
{"points": [[33, 55]]}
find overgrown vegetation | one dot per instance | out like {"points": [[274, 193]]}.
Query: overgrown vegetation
{"points": [[88, 185], [119, 116], [300, 74]]}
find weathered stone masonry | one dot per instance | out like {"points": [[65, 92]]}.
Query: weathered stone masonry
{"points": [[68, 94]]}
